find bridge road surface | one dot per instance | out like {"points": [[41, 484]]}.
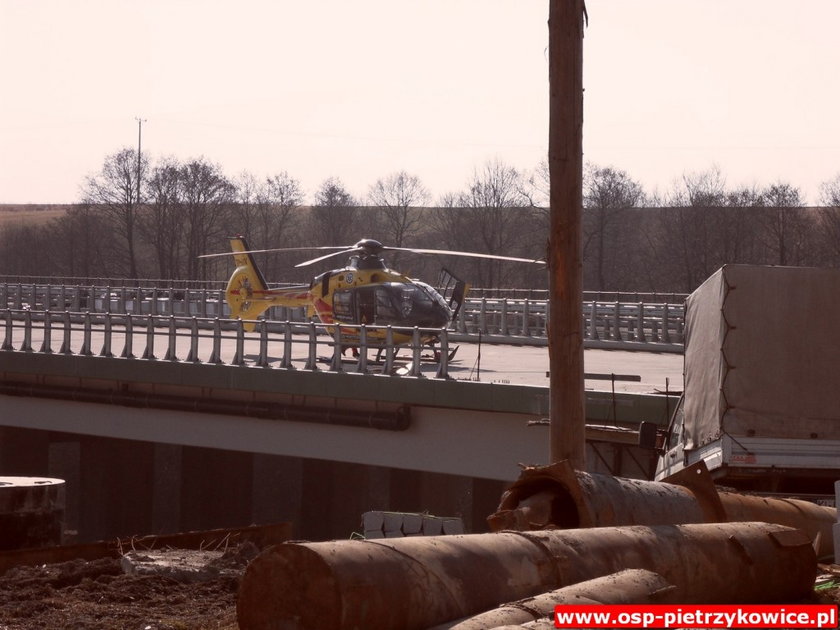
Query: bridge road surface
{"points": [[528, 365], [489, 363]]}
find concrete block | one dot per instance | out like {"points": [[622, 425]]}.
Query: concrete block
{"points": [[392, 522], [373, 520], [453, 526], [412, 524], [432, 526], [378, 524]]}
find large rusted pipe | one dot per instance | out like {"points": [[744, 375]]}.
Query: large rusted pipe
{"points": [[559, 496], [415, 583], [631, 586], [815, 520]]}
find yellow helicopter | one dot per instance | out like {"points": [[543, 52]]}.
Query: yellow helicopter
{"points": [[365, 292]]}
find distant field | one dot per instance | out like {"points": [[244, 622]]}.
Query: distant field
{"points": [[15, 214]]}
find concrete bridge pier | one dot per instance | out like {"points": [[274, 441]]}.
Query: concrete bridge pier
{"points": [[117, 487]]}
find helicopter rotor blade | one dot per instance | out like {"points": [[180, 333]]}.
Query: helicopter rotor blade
{"points": [[306, 263], [448, 252], [365, 246], [276, 249]]}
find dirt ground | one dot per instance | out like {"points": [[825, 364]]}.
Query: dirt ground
{"points": [[98, 595]]}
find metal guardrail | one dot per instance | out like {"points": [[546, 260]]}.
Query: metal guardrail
{"points": [[219, 285], [173, 338], [499, 320], [619, 322], [88, 281]]}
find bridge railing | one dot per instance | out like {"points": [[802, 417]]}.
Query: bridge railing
{"points": [[289, 345], [499, 320], [619, 322]]}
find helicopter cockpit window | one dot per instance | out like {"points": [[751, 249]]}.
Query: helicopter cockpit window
{"points": [[430, 294], [386, 307], [414, 297], [343, 305]]}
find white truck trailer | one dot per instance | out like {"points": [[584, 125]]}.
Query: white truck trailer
{"points": [[761, 401]]}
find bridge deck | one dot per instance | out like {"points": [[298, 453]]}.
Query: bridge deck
{"points": [[633, 371], [528, 365]]}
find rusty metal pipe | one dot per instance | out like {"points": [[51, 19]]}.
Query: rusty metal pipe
{"points": [[815, 520], [631, 586], [415, 583], [559, 496]]}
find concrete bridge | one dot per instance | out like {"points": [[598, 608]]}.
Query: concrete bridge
{"points": [[160, 428]]}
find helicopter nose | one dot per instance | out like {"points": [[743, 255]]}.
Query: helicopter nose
{"points": [[441, 317]]}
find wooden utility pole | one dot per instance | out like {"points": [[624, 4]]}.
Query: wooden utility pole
{"points": [[565, 164]]}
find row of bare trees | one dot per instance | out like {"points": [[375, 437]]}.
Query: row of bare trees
{"points": [[158, 227]]}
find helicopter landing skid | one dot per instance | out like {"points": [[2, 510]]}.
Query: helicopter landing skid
{"points": [[434, 357]]}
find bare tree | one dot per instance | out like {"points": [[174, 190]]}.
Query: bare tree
{"points": [[18, 244], [267, 213], [493, 217], [830, 192], [396, 198], [608, 193], [783, 224], [448, 200], [333, 217], [684, 240], [736, 239], [829, 220], [115, 190], [78, 238], [537, 187], [161, 224], [703, 189], [247, 198], [206, 198]]}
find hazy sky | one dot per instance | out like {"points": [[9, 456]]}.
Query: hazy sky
{"points": [[358, 89]]}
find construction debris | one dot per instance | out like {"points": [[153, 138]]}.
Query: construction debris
{"points": [[214, 539], [189, 565], [378, 524], [419, 582]]}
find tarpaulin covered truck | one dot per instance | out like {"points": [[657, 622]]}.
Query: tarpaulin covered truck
{"points": [[761, 402]]}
